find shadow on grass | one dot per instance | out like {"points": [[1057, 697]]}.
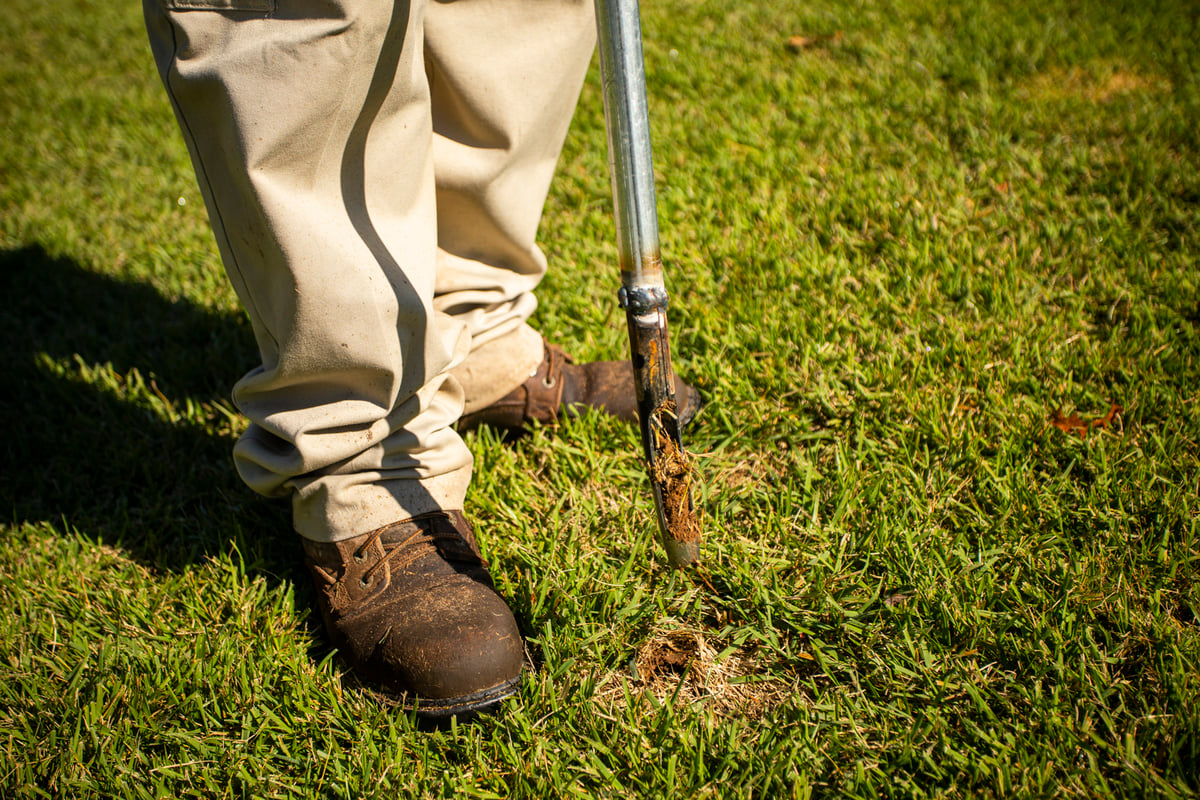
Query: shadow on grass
{"points": [[84, 456], [80, 456]]}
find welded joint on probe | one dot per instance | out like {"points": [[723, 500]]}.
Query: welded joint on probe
{"points": [[643, 300]]}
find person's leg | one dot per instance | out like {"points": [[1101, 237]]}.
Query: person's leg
{"points": [[310, 129], [504, 76]]}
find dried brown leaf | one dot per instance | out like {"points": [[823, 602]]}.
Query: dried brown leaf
{"points": [[1075, 424], [800, 43]]}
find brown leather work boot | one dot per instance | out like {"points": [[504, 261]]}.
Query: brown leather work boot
{"points": [[560, 387], [411, 607]]}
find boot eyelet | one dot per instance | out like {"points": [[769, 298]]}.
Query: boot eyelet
{"points": [[549, 382], [358, 557], [363, 584]]}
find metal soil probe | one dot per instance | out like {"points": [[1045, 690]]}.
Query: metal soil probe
{"points": [[643, 294]]}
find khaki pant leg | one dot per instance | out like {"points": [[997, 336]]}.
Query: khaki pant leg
{"points": [[505, 76], [309, 126]]}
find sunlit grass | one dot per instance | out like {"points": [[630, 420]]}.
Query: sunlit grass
{"points": [[893, 252]]}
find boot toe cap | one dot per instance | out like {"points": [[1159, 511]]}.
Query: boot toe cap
{"points": [[447, 650]]}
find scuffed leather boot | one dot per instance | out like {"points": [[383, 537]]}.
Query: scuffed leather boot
{"points": [[561, 387], [411, 607]]}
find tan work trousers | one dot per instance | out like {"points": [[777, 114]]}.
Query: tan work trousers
{"points": [[374, 171]]}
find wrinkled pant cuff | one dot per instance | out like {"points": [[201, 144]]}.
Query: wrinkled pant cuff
{"points": [[497, 367], [362, 506]]}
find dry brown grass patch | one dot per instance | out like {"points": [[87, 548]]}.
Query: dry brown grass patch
{"points": [[1094, 85], [695, 668]]}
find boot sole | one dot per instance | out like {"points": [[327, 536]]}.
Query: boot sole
{"points": [[463, 706]]}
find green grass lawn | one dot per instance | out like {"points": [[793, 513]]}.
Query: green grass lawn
{"points": [[896, 248]]}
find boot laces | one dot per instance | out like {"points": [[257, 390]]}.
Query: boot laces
{"points": [[421, 542], [556, 357]]}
